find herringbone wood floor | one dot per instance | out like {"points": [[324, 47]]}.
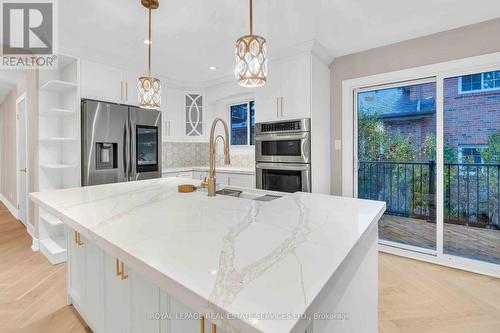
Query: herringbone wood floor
{"points": [[415, 297]]}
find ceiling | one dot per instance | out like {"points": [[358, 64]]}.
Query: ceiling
{"points": [[189, 36], [8, 80]]}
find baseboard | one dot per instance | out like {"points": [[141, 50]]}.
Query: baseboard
{"points": [[13, 210], [35, 245]]}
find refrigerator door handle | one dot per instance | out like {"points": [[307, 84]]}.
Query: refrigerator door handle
{"points": [[126, 157], [131, 171]]}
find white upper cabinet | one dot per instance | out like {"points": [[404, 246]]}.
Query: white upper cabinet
{"points": [[101, 82], [171, 109], [130, 91], [267, 98], [296, 88], [109, 84], [287, 93]]}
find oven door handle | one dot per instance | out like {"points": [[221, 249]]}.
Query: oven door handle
{"points": [[288, 166], [282, 137]]}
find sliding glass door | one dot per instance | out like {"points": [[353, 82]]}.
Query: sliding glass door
{"points": [[471, 126], [396, 159], [431, 150]]}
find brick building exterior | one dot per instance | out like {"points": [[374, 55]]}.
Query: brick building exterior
{"points": [[469, 117]]}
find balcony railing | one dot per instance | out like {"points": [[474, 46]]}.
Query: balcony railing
{"points": [[471, 191]]}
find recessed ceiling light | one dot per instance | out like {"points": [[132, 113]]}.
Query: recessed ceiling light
{"points": [[147, 41], [212, 68]]}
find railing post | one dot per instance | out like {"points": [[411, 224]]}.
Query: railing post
{"points": [[432, 192]]}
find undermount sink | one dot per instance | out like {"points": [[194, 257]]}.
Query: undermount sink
{"points": [[228, 192], [246, 195]]}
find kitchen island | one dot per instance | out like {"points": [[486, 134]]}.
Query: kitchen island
{"points": [[144, 258]]}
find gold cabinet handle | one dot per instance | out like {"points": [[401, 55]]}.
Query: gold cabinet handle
{"points": [[202, 326], [78, 240], [120, 271], [124, 276], [23, 170]]}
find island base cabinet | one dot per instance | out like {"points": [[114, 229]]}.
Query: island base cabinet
{"points": [[179, 318], [116, 299]]}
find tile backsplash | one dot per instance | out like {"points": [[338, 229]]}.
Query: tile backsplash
{"points": [[181, 154], [186, 154]]}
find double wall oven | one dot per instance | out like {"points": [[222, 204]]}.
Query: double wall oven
{"points": [[283, 155]]}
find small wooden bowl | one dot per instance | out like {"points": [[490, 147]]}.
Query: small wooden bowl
{"points": [[186, 188]]}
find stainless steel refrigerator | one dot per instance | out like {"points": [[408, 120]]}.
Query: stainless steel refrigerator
{"points": [[120, 143]]}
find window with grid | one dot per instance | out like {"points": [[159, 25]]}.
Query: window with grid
{"points": [[480, 82]]}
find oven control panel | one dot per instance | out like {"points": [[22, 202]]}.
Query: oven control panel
{"points": [[302, 125]]}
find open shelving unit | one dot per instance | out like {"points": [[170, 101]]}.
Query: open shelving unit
{"points": [[59, 146]]}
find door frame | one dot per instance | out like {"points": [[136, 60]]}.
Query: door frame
{"points": [[22, 99], [440, 71]]}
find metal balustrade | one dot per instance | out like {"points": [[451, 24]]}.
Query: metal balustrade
{"points": [[471, 191]]}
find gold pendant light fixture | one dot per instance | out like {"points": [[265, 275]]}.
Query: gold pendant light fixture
{"points": [[148, 86], [251, 58]]}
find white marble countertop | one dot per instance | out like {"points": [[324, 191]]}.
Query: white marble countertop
{"points": [[228, 169], [235, 255]]}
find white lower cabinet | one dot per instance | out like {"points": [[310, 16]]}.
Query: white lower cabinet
{"points": [[76, 269], [112, 299], [116, 299], [223, 178], [145, 304], [94, 296]]}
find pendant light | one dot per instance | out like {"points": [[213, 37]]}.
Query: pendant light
{"points": [[251, 58], [148, 86]]}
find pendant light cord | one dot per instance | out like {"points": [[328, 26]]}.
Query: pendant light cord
{"points": [[251, 18], [149, 45]]}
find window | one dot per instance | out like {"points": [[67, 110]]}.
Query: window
{"points": [[243, 124], [471, 153], [479, 82]]}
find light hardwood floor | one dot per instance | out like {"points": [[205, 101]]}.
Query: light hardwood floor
{"points": [[415, 297]]}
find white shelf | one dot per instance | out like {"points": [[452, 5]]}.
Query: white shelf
{"points": [[58, 86], [58, 166], [58, 139], [50, 219], [57, 113], [54, 249]]}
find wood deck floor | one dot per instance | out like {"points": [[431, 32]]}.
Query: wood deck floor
{"points": [[475, 243], [414, 297]]}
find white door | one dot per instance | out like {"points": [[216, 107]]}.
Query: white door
{"points": [[22, 178], [296, 88], [267, 98]]}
